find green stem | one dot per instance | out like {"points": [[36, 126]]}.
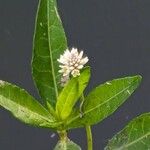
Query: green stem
{"points": [[89, 138], [88, 128], [63, 135]]}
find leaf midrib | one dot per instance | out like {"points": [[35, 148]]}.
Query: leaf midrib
{"points": [[78, 116], [50, 50], [133, 142]]}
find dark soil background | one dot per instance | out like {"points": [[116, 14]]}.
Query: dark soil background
{"points": [[116, 37]]}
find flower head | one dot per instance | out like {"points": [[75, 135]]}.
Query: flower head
{"points": [[72, 62]]}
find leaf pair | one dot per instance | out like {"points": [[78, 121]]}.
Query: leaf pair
{"points": [[99, 103]]}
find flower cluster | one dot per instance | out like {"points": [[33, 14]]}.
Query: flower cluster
{"points": [[71, 62]]}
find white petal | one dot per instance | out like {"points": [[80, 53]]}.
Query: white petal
{"points": [[80, 55], [67, 53], [74, 51], [84, 61], [80, 67], [59, 60], [76, 65], [62, 60], [61, 66], [71, 68]]}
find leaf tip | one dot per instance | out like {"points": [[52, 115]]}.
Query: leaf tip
{"points": [[139, 78]]}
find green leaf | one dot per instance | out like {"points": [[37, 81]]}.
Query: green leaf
{"points": [[71, 93], [67, 145], [103, 101], [135, 136], [49, 43], [24, 107]]}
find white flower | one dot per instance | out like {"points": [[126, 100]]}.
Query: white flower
{"points": [[72, 62]]}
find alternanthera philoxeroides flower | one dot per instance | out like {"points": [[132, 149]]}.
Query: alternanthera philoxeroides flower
{"points": [[71, 62]]}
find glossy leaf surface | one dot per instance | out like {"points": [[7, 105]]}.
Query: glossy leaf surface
{"points": [[49, 43], [24, 107], [135, 136], [103, 101], [71, 93]]}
